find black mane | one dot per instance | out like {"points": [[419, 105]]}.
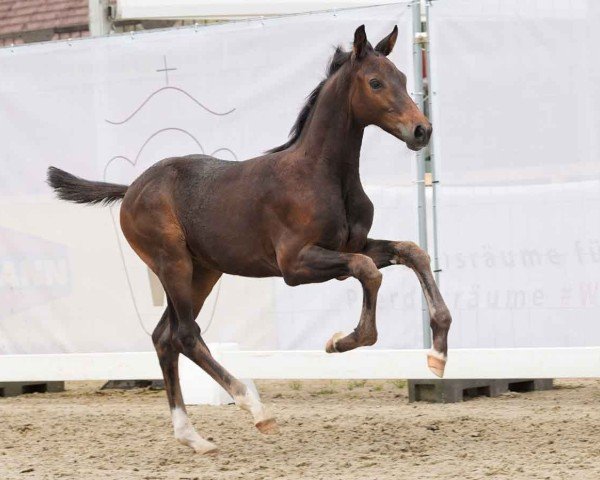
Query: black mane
{"points": [[339, 58]]}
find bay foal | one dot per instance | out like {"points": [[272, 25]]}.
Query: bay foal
{"points": [[299, 212]]}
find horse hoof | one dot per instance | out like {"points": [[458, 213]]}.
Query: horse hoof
{"points": [[436, 364], [268, 427], [205, 448], [330, 345], [212, 452]]}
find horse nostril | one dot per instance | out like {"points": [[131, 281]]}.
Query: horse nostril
{"points": [[420, 133]]}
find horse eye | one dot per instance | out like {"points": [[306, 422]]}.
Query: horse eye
{"points": [[375, 84]]}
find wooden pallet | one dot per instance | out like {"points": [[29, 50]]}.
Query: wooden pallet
{"points": [[129, 384], [12, 389], [452, 391]]}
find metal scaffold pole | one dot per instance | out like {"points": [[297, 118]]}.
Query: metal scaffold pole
{"points": [[432, 159], [418, 95]]}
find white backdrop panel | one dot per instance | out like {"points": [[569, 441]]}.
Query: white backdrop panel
{"points": [[109, 108], [516, 97]]}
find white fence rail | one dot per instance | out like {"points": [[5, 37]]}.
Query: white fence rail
{"points": [[301, 364]]}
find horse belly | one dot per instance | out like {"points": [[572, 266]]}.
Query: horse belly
{"points": [[233, 247]]}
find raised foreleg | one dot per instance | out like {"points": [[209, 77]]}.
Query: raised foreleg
{"points": [[385, 253], [313, 264]]}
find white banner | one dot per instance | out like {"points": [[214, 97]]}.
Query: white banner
{"points": [[516, 96], [108, 108]]}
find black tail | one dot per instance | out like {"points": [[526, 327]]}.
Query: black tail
{"points": [[74, 189]]}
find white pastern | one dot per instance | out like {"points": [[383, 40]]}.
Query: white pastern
{"points": [[439, 355], [251, 404], [187, 434]]}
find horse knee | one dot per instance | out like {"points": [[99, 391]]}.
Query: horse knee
{"points": [[364, 268], [411, 255]]}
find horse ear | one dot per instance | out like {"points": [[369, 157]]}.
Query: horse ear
{"points": [[387, 44], [361, 45]]}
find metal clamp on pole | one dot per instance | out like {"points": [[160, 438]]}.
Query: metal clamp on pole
{"points": [[421, 38]]}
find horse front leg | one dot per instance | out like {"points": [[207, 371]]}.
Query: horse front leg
{"points": [[314, 264], [385, 253]]}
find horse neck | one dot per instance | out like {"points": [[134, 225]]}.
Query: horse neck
{"points": [[331, 137]]}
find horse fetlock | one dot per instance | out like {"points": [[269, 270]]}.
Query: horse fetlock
{"points": [[186, 434], [253, 405]]}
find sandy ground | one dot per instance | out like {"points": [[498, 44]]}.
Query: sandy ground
{"points": [[329, 429]]}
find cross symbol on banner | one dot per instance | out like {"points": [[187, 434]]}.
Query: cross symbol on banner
{"points": [[166, 69]]}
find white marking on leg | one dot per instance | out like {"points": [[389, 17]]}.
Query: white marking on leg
{"points": [[439, 355], [187, 434], [251, 404]]}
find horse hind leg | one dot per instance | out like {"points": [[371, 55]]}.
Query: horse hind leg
{"points": [[169, 358], [187, 287], [197, 351], [150, 225], [193, 346]]}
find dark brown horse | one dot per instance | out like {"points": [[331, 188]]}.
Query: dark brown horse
{"points": [[299, 212]]}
